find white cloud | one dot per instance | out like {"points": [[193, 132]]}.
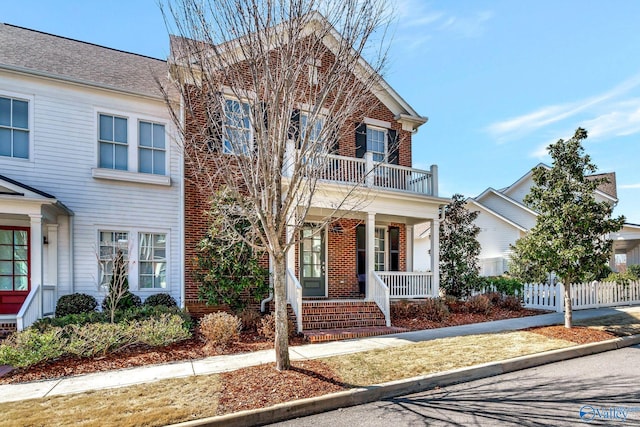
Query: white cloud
{"points": [[624, 122], [629, 186]]}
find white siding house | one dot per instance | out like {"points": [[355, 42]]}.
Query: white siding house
{"points": [[87, 158], [503, 219]]}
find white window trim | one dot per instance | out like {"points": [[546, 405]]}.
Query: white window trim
{"points": [[242, 100], [134, 257], [377, 123], [385, 139], [132, 174], [153, 149], [386, 246], [31, 121]]}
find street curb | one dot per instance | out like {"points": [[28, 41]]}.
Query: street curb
{"points": [[358, 396]]}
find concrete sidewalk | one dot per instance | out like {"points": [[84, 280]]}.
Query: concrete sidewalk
{"points": [[211, 365]]}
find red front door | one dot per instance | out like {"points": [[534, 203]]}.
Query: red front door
{"points": [[14, 268]]}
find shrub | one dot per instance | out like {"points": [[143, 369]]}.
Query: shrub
{"points": [[75, 304], [70, 319], [220, 329], [165, 300], [148, 312], [267, 327], [455, 305], [494, 297], [250, 319], [479, 304], [97, 338], [128, 300], [29, 347], [511, 303], [404, 309], [161, 330], [504, 284], [620, 278], [635, 270], [433, 309]]}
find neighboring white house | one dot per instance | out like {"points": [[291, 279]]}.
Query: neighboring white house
{"points": [[88, 165], [504, 218]]}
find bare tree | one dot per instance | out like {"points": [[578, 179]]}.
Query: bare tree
{"points": [[268, 88]]}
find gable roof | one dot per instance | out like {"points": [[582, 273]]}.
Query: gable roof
{"points": [[608, 190], [401, 109], [496, 214], [504, 197], [47, 55], [12, 189]]}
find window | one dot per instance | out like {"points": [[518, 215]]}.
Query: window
{"points": [[376, 143], [153, 261], [379, 249], [152, 149], [112, 244], [14, 259], [113, 142], [314, 130], [394, 249], [237, 127], [14, 128]]}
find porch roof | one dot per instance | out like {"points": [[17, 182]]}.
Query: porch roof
{"points": [[10, 189]]}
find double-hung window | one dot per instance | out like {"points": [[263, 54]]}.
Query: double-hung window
{"points": [[376, 143], [14, 128], [113, 244], [112, 139], [379, 249], [311, 131], [151, 148], [152, 261], [237, 127]]}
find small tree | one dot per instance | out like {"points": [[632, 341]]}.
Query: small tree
{"points": [[459, 248], [118, 294], [570, 235], [228, 270]]}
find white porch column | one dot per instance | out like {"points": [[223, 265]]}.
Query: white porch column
{"points": [[409, 238], [368, 158], [52, 255], [36, 256], [370, 244], [435, 256], [291, 253]]}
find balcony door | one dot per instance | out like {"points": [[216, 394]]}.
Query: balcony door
{"points": [[312, 261], [14, 268]]}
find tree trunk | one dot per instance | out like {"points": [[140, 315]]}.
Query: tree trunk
{"points": [[568, 312], [282, 324]]}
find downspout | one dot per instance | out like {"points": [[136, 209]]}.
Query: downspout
{"points": [[72, 271]]}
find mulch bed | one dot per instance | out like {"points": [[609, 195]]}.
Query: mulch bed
{"points": [[576, 334], [459, 318]]}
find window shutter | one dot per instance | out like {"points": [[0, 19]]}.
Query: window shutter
{"points": [[214, 109], [361, 140], [393, 146], [394, 248], [294, 127]]}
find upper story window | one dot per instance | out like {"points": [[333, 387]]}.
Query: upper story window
{"points": [[113, 142], [152, 150], [14, 128], [237, 127], [376, 143], [308, 130]]}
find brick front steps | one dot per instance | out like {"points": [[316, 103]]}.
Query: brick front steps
{"points": [[6, 329], [340, 320], [316, 336]]}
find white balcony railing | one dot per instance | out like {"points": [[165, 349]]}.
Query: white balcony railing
{"points": [[408, 284], [380, 295], [365, 172], [294, 297]]}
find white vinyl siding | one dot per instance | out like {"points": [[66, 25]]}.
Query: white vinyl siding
{"points": [[65, 119]]}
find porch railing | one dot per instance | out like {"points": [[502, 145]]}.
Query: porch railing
{"points": [[366, 172], [294, 297], [408, 284], [380, 294], [30, 311]]}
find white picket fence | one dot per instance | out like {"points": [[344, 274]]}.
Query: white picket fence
{"points": [[583, 295]]}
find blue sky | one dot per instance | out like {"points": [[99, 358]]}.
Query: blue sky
{"points": [[499, 80]]}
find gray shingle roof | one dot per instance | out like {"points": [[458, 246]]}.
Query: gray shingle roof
{"points": [[41, 53]]}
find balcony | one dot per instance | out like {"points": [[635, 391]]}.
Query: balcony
{"points": [[384, 176]]}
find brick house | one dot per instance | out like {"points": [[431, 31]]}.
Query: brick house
{"points": [[344, 275]]}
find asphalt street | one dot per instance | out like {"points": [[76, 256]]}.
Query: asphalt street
{"points": [[602, 389]]}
